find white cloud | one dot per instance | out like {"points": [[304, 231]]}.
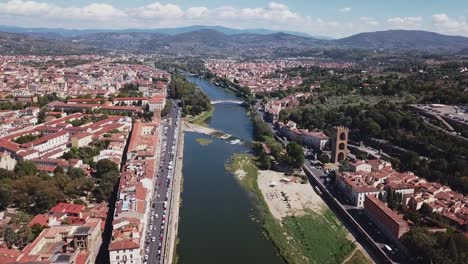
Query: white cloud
{"points": [[274, 15], [197, 12], [345, 10], [369, 21], [444, 23], [157, 10], [405, 22]]}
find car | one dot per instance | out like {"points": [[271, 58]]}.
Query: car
{"points": [[146, 257], [153, 239], [156, 216]]}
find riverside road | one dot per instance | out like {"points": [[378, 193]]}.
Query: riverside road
{"points": [[159, 214]]}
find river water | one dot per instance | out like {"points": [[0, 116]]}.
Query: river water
{"points": [[217, 217]]}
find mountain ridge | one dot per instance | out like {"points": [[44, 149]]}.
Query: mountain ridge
{"points": [[404, 40], [214, 42], [62, 32]]}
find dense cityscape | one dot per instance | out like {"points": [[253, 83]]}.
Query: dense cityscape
{"points": [[210, 144]]}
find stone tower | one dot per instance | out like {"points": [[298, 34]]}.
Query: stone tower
{"points": [[339, 144]]}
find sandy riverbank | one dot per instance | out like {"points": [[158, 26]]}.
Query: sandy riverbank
{"points": [[300, 197]]}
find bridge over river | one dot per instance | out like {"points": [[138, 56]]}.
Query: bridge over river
{"points": [[239, 102]]}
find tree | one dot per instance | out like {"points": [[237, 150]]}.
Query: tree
{"points": [[264, 161], [10, 237], [104, 166], [324, 158], [6, 197], [76, 173], [36, 229], [41, 116], [25, 168], [24, 236], [6, 174], [59, 170], [452, 249], [295, 155]]}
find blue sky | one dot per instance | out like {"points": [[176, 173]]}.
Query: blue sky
{"points": [[335, 18]]}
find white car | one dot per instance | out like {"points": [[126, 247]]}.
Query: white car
{"points": [[156, 216], [153, 239]]}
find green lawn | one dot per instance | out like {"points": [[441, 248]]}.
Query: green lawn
{"points": [[312, 238], [358, 258], [321, 237]]}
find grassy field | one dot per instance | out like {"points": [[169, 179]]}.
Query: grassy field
{"points": [[307, 239], [321, 237], [200, 119], [358, 258]]}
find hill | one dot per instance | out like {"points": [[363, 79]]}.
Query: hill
{"points": [[404, 40], [61, 32], [205, 41], [20, 44]]}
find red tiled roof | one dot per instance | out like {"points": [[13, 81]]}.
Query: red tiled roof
{"points": [[40, 219], [8, 256], [68, 208], [123, 244], [130, 98]]}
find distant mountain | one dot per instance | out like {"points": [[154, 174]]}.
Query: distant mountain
{"points": [[404, 40], [205, 41], [61, 32], [20, 44], [463, 52]]}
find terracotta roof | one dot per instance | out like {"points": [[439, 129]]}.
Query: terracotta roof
{"points": [[123, 244], [40, 219], [68, 208]]}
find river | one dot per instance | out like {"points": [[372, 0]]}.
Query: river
{"points": [[217, 217]]}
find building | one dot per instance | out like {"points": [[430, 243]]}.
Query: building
{"points": [[124, 251], [49, 142], [70, 244], [81, 139], [360, 166], [389, 221], [272, 111], [157, 103], [6, 161], [313, 139], [355, 189], [339, 144]]}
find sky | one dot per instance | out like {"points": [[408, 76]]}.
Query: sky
{"points": [[333, 18]]}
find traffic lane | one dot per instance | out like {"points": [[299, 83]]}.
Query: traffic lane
{"points": [[155, 247]]}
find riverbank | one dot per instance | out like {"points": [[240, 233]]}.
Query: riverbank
{"points": [[302, 228]]}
